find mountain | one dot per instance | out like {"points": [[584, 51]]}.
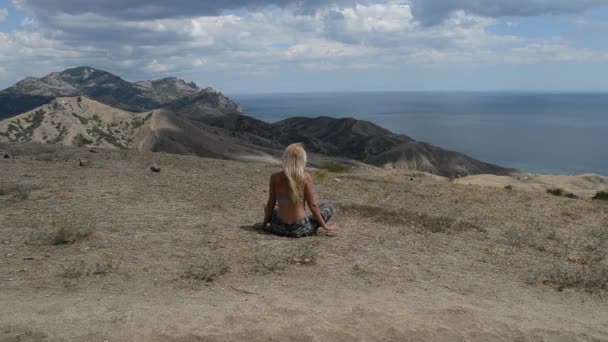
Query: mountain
{"points": [[362, 141], [111, 90], [85, 106]]}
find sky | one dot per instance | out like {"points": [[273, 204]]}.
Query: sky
{"points": [[267, 46]]}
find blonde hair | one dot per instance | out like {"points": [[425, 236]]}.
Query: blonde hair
{"points": [[294, 163]]}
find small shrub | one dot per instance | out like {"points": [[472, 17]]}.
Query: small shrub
{"points": [[525, 237], [206, 270], [556, 192], [79, 269], [561, 193], [70, 229], [509, 187], [590, 278], [336, 168], [80, 140], [320, 175], [17, 191], [601, 195], [103, 267], [263, 262], [83, 120], [304, 253], [74, 270]]}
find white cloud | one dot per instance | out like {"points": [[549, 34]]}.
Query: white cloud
{"points": [[362, 36], [155, 67]]}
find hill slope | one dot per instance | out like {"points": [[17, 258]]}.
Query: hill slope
{"points": [[75, 121], [84, 122]]}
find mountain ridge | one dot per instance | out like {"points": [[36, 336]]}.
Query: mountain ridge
{"points": [[109, 89], [204, 122]]}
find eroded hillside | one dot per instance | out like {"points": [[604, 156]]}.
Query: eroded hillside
{"points": [[75, 121]]}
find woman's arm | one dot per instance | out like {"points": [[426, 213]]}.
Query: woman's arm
{"points": [[272, 198], [309, 195]]}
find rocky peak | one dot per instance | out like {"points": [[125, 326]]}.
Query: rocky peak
{"points": [[99, 85]]}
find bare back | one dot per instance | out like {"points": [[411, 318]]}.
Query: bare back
{"points": [[289, 211]]}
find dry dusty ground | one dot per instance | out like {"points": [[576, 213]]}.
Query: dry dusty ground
{"points": [[171, 256]]}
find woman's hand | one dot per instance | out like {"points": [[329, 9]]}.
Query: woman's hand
{"points": [[331, 226]]}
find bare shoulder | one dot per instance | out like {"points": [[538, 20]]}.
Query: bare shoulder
{"points": [[307, 178], [275, 176]]}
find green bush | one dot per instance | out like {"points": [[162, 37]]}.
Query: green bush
{"points": [[601, 195], [561, 193], [333, 167]]}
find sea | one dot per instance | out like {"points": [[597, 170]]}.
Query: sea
{"points": [[548, 133]]}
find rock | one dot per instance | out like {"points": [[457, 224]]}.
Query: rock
{"points": [[93, 151], [155, 168], [84, 162], [6, 156]]}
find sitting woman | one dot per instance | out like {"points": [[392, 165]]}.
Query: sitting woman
{"points": [[290, 190]]}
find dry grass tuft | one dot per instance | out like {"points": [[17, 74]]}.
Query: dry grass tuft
{"points": [[207, 269], [320, 175], [304, 253], [74, 270], [262, 261], [589, 278], [17, 191], [68, 229], [79, 269], [582, 265]]}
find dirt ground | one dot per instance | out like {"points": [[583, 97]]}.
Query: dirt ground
{"points": [[112, 251]]}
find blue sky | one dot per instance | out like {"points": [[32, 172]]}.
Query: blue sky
{"points": [[240, 46]]}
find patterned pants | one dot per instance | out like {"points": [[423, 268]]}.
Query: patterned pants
{"points": [[305, 227]]}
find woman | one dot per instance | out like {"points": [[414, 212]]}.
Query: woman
{"points": [[290, 190]]}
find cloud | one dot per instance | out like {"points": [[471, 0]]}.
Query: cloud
{"points": [[157, 67], [161, 9], [432, 12], [335, 36], [3, 14]]}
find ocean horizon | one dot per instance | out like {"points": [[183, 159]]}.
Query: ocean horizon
{"points": [[536, 132]]}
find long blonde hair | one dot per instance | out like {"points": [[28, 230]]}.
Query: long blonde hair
{"points": [[294, 163]]}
